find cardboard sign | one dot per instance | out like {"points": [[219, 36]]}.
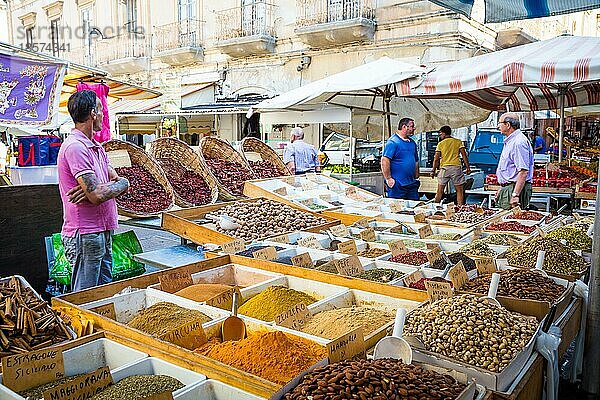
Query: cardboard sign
{"points": [[174, 281], [119, 158], [540, 232], [106, 310], [282, 191], [280, 239], [438, 290], [397, 247], [433, 246], [450, 211], [420, 218], [477, 233], [485, 266], [325, 197], [167, 395], [413, 278], [83, 387], [516, 210], [311, 242], [224, 299], [293, 318], [350, 191], [348, 346], [233, 247], [307, 202], [25, 371], [362, 223], [458, 275], [434, 255], [374, 207], [340, 230], [368, 235], [267, 254], [425, 231], [302, 260], [349, 266], [348, 247], [190, 335], [396, 207]]}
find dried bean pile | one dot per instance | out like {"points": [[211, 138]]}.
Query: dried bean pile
{"points": [[231, 175], [266, 218], [478, 248], [468, 217], [472, 331], [264, 169], [488, 212], [576, 239], [560, 259], [190, 186], [145, 194], [528, 216], [501, 239], [411, 258], [373, 252], [468, 262], [383, 275], [420, 284], [510, 226], [519, 283], [375, 379]]}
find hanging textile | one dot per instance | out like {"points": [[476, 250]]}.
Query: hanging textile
{"points": [[29, 90], [101, 91]]}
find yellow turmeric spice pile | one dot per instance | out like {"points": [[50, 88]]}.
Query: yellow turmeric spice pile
{"points": [[273, 356], [274, 301]]}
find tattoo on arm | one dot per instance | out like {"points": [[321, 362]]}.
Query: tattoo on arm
{"points": [[90, 182], [100, 192]]}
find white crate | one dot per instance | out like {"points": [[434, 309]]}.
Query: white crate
{"points": [[215, 390]]}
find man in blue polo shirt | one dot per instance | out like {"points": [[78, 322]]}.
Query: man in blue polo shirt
{"points": [[400, 163]]}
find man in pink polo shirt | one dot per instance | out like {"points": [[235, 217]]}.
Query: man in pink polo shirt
{"points": [[88, 186]]}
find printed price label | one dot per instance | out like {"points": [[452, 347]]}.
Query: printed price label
{"points": [[368, 235], [433, 246], [267, 254], [224, 299], [396, 207], [397, 247], [280, 239], [348, 346], [106, 310], [25, 371], [450, 211], [438, 290], [190, 335], [413, 278], [425, 231], [485, 266], [234, 246], [349, 266], [83, 387], [340, 230], [174, 281], [293, 318], [420, 218], [282, 191], [458, 275], [311, 242], [348, 247], [302, 260]]}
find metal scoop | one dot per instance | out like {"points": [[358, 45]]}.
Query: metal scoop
{"points": [[493, 290], [539, 264], [394, 346], [224, 222], [233, 327], [333, 245]]}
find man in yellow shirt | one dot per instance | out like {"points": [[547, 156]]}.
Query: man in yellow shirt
{"points": [[447, 159]]}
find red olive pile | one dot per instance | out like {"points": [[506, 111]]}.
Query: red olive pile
{"points": [[264, 169], [231, 175], [190, 186], [511, 226], [528, 215], [145, 194], [412, 258]]}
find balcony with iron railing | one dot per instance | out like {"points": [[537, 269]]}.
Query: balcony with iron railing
{"points": [[323, 23], [247, 30], [179, 43], [125, 54]]}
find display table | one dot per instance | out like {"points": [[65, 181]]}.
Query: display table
{"points": [[371, 181], [537, 197], [170, 257]]}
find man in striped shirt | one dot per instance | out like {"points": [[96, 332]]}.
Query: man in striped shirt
{"points": [[300, 157]]}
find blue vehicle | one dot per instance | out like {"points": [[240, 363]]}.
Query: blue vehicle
{"points": [[486, 149]]}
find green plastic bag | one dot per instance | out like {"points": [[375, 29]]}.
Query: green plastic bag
{"points": [[124, 246]]}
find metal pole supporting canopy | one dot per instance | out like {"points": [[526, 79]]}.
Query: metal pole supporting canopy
{"points": [[561, 128]]}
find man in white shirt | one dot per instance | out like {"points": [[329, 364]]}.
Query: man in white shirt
{"points": [[300, 157]]}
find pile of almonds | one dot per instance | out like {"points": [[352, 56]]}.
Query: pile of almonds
{"points": [[231, 175], [145, 194], [475, 332], [264, 169], [190, 186]]}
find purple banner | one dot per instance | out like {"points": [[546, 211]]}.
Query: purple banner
{"points": [[29, 90]]}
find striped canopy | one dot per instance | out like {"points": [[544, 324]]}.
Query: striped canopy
{"points": [[523, 78], [508, 10]]}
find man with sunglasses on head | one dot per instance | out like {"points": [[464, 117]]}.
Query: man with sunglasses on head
{"points": [[515, 168]]}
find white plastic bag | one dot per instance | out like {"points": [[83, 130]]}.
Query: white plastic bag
{"points": [[547, 345]]}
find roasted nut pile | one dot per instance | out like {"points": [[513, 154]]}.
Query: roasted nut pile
{"points": [[519, 283], [375, 379], [488, 212], [475, 332], [559, 259], [510, 226], [411, 258], [264, 169], [576, 239], [372, 252], [501, 239], [190, 186], [468, 217], [528, 215], [468, 262], [264, 218], [231, 175], [145, 194], [478, 248]]}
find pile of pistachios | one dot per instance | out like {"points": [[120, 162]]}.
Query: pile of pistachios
{"points": [[559, 259], [575, 238], [501, 239]]}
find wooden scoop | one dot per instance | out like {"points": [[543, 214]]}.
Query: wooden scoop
{"points": [[493, 290], [395, 346], [233, 327]]}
